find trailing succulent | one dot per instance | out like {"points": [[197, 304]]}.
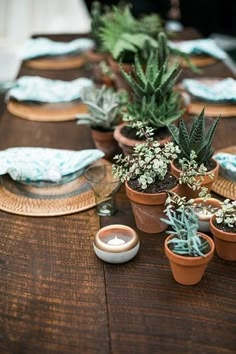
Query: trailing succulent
{"points": [[104, 106], [148, 163], [198, 139], [186, 240], [226, 215], [153, 100]]}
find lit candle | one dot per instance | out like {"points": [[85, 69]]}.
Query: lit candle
{"points": [[116, 243]]}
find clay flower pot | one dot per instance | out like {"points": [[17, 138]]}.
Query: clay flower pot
{"points": [[127, 145], [225, 242], [148, 209], [207, 182], [95, 57], [120, 81], [105, 141], [188, 270], [204, 217]]}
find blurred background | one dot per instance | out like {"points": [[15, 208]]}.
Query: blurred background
{"points": [[19, 19]]}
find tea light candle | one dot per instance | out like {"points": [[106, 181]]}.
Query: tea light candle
{"points": [[116, 243]]}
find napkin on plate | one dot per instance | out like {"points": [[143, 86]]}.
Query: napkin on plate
{"points": [[227, 165], [39, 89], [222, 91], [39, 47], [44, 164], [200, 46]]}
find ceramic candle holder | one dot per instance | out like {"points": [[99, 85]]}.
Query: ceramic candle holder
{"points": [[205, 211], [116, 243]]}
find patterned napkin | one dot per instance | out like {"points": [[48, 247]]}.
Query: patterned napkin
{"points": [[43, 164], [39, 47], [200, 46], [35, 88], [227, 165], [222, 91]]}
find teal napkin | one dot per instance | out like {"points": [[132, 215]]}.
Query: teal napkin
{"points": [[200, 46], [43, 164], [222, 91], [227, 165], [39, 47], [39, 89]]}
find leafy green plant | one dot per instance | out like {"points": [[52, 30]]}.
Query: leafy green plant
{"points": [[96, 23], [104, 105], [226, 215], [186, 240], [154, 101], [198, 139], [148, 164]]}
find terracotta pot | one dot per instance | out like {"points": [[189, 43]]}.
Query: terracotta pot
{"points": [[188, 270], [148, 209], [225, 242], [105, 141], [95, 57], [120, 81], [204, 219], [127, 145], [207, 182]]}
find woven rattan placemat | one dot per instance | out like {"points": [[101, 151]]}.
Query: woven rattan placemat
{"points": [[61, 62], [222, 186], [46, 112], [47, 200]]}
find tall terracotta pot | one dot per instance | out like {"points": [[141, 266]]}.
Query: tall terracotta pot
{"points": [[148, 209], [105, 141], [127, 145], [188, 270], [207, 182], [225, 242]]}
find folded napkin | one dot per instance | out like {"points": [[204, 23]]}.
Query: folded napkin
{"points": [[222, 91], [42, 164], [38, 47], [227, 165], [35, 88], [200, 46]]}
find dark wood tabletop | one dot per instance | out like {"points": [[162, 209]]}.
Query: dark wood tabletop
{"points": [[57, 297]]}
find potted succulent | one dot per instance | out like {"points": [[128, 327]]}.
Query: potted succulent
{"points": [[147, 178], [223, 228], [188, 250], [194, 165], [103, 116], [154, 103]]}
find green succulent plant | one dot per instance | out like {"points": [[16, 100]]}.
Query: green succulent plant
{"points": [[198, 139], [186, 240], [226, 215], [96, 23], [104, 106]]}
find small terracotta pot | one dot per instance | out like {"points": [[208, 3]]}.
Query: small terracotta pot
{"points": [[148, 209], [120, 81], [204, 219], [127, 145], [225, 242], [95, 57], [207, 182], [105, 141], [188, 270]]}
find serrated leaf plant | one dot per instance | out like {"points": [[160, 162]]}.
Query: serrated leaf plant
{"points": [[186, 241], [104, 105], [148, 164], [199, 139]]}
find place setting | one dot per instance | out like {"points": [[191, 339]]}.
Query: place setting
{"points": [[46, 54], [47, 182], [217, 95], [45, 100]]}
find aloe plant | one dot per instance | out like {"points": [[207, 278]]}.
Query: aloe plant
{"points": [[186, 240], [198, 139], [104, 105]]}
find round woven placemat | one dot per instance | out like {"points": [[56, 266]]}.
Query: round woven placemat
{"points": [[61, 62], [222, 186], [48, 200], [46, 112]]}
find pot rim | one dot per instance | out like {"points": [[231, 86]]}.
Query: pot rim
{"points": [[218, 233]]}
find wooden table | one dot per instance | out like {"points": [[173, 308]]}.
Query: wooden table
{"points": [[57, 297]]}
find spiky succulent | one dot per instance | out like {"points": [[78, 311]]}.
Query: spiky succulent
{"points": [[198, 139], [186, 240], [104, 105]]}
